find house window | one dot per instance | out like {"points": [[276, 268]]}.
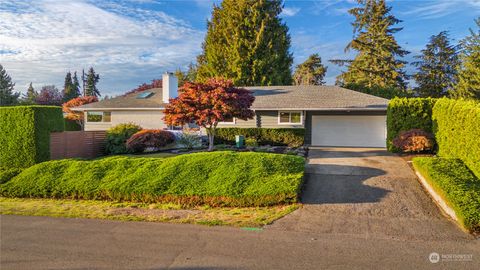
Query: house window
{"points": [[289, 118], [228, 121], [99, 117]]}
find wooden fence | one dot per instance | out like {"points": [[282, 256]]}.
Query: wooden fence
{"points": [[82, 144]]}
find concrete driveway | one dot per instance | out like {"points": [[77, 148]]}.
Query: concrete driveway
{"points": [[367, 192]]}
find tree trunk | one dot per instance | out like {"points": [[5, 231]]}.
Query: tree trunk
{"points": [[211, 135]]}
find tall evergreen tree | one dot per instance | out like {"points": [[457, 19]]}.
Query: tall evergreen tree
{"points": [[468, 85], [30, 96], [310, 72], [247, 42], [69, 92], [76, 84], [91, 83], [376, 63], [436, 67], [7, 96]]}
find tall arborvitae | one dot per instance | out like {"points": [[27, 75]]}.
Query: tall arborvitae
{"points": [[7, 96], [69, 92], [376, 63], [30, 96], [247, 42], [468, 85], [76, 84], [91, 83], [310, 72]]}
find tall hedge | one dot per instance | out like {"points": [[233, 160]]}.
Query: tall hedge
{"points": [[408, 113], [293, 137], [457, 131], [25, 134]]}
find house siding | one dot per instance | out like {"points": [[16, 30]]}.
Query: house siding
{"points": [[269, 119], [251, 123], [145, 119]]}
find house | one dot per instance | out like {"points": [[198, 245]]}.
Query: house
{"points": [[331, 115]]}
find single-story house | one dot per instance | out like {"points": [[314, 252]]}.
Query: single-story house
{"points": [[331, 115]]}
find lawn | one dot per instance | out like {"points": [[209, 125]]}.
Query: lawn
{"points": [[155, 212]]}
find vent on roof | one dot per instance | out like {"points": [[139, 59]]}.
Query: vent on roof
{"points": [[144, 95]]}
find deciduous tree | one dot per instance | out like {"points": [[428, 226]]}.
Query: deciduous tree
{"points": [[310, 72], [156, 83], [207, 104], [49, 95], [77, 116], [7, 96]]}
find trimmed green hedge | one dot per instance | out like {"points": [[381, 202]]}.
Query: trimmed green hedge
{"points": [[293, 137], [213, 178], [457, 131], [72, 125], [117, 137], [25, 134], [8, 173], [404, 114], [458, 186]]}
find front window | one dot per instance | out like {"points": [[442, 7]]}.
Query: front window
{"points": [[99, 116], [290, 118]]}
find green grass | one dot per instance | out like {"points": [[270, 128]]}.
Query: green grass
{"points": [[127, 211], [458, 186], [212, 178]]}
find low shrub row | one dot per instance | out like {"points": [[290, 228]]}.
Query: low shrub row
{"points": [[457, 131], [8, 173], [149, 138], [458, 186], [292, 137], [117, 137], [213, 178]]}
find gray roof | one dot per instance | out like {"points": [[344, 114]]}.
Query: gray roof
{"points": [[267, 98]]}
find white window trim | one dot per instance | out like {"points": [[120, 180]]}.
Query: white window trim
{"points": [[290, 118], [229, 123], [97, 123]]}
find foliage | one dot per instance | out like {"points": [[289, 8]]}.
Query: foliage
{"points": [[208, 103], [251, 142], [117, 137], [25, 134], [91, 83], [8, 173], [149, 138], [145, 86], [77, 116], [457, 131], [72, 125], [189, 76], [29, 97], [49, 95], [456, 184], [384, 92], [247, 42], [414, 140], [310, 72], [189, 140], [75, 83], [69, 88], [468, 85], [292, 137], [408, 113], [376, 63], [436, 67], [7, 96], [213, 178]]}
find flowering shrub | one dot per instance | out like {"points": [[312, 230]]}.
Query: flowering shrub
{"points": [[149, 138], [414, 140]]}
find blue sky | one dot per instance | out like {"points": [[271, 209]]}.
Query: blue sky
{"points": [[129, 42]]}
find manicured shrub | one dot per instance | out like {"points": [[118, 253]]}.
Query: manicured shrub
{"points": [[72, 125], [458, 186], [117, 137], [292, 137], [189, 140], [408, 113], [8, 173], [149, 138], [25, 134], [213, 178], [251, 142], [414, 140], [457, 131]]}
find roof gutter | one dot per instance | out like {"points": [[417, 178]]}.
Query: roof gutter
{"points": [[117, 109]]}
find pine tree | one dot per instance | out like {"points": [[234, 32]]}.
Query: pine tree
{"points": [[376, 63], [7, 96], [436, 67], [91, 83], [69, 92], [76, 84], [468, 85], [310, 72], [247, 42], [30, 96]]}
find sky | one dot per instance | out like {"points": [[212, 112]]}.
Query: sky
{"points": [[129, 42]]}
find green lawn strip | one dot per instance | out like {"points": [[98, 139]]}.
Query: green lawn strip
{"points": [[456, 184], [223, 178], [167, 212]]}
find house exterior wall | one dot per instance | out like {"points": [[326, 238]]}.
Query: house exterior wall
{"points": [[269, 119], [145, 119]]}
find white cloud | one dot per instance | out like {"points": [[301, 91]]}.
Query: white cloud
{"points": [[290, 11], [439, 8], [41, 40]]}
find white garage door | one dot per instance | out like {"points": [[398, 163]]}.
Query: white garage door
{"points": [[349, 130]]}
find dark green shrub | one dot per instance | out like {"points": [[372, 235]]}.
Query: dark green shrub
{"points": [[25, 134], [72, 125], [457, 131], [117, 137], [213, 178], [8, 173], [458, 186], [292, 137], [404, 114]]}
